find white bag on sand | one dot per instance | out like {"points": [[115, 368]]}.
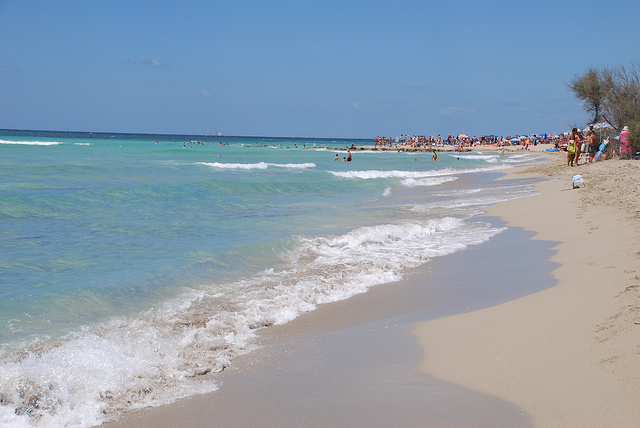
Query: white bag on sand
{"points": [[577, 181]]}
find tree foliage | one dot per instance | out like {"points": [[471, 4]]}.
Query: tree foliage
{"points": [[589, 88], [612, 95], [622, 101]]}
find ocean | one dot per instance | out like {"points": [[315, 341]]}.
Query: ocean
{"points": [[134, 267]]}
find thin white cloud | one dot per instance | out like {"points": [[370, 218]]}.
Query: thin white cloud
{"points": [[206, 94], [130, 62], [154, 63], [456, 110], [356, 106]]}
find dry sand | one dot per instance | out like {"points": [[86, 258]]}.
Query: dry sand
{"points": [[569, 356]]}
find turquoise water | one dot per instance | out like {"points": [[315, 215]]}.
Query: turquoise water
{"points": [[98, 226], [145, 262]]}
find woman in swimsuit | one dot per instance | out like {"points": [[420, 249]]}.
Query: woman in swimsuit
{"points": [[574, 140]]}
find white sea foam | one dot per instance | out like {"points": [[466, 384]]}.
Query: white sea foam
{"points": [[376, 174], [259, 165], [32, 143], [431, 181], [522, 159], [477, 156], [471, 201], [166, 353]]}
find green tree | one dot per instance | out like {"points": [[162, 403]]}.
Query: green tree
{"points": [[589, 88]]}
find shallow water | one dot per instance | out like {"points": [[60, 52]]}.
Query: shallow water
{"points": [[134, 264]]}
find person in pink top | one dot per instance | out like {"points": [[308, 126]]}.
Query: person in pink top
{"points": [[625, 146]]}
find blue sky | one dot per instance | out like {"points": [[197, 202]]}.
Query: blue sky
{"points": [[305, 68]]}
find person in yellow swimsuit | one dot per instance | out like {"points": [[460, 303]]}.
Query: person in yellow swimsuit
{"points": [[572, 144]]}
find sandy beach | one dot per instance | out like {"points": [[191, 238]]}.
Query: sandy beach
{"points": [[569, 355], [544, 351], [309, 215]]}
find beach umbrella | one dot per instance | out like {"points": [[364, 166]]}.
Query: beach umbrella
{"points": [[601, 125]]}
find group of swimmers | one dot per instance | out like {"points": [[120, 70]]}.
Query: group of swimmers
{"points": [[346, 159], [191, 143], [199, 143]]}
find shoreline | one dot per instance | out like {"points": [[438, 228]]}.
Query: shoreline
{"points": [[355, 361], [567, 355]]}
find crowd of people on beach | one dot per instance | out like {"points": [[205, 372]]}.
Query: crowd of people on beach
{"points": [[459, 142], [586, 146]]}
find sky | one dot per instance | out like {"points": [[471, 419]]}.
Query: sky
{"points": [[328, 68]]}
